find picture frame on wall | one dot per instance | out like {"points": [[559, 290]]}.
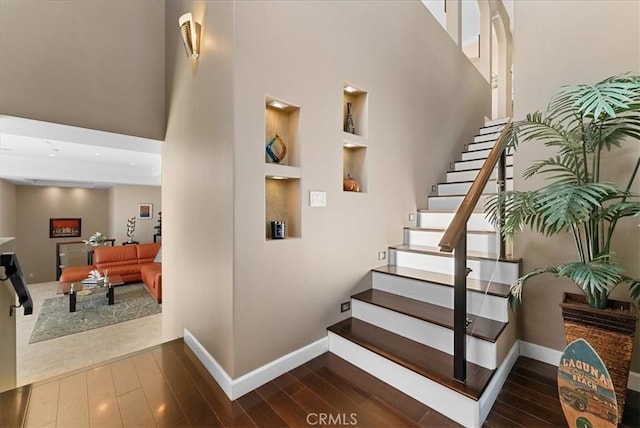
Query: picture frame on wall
{"points": [[65, 227], [145, 211]]}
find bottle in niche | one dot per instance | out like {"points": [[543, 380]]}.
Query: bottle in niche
{"points": [[348, 121]]}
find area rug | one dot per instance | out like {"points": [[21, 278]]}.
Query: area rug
{"points": [[132, 301]]}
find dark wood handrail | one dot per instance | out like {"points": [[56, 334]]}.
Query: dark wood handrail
{"points": [[454, 231]]}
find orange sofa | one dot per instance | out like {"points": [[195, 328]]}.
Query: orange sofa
{"points": [[133, 263]]}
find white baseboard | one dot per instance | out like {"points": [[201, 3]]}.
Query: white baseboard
{"points": [[489, 396], [552, 356], [235, 388], [540, 353]]}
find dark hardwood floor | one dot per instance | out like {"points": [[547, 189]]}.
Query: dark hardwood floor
{"points": [[167, 386]]}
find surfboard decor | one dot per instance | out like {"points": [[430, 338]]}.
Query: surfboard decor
{"points": [[584, 385]]}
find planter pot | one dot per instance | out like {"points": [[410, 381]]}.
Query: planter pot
{"points": [[609, 331]]}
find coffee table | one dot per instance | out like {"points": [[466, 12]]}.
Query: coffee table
{"points": [[65, 288]]}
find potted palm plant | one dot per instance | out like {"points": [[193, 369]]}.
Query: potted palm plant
{"points": [[582, 123]]}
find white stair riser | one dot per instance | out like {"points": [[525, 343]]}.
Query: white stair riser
{"points": [[477, 154], [479, 352], [491, 129], [471, 175], [491, 137], [446, 203], [503, 272], [439, 220], [481, 146], [500, 121], [483, 305], [458, 407], [476, 164], [475, 241], [462, 188]]}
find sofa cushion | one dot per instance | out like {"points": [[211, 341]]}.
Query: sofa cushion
{"points": [[75, 273], [152, 277], [147, 252], [158, 258], [113, 256]]}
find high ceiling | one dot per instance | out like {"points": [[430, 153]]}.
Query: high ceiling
{"points": [[40, 153]]}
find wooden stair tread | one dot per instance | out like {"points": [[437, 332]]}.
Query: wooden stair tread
{"points": [[495, 289], [482, 328], [492, 180], [436, 251], [432, 229], [423, 360]]}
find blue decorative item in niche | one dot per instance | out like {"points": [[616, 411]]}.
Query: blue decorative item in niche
{"points": [[276, 149]]}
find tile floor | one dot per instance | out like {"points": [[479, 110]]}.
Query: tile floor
{"points": [[42, 360]]}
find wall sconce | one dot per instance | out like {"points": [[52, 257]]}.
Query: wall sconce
{"points": [[190, 31]]}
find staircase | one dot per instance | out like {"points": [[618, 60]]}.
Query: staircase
{"points": [[401, 330]]}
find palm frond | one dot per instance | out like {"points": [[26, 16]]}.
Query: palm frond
{"points": [[634, 288], [619, 210], [517, 288], [604, 99], [567, 169], [519, 207], [596, 277], [561, 205]]}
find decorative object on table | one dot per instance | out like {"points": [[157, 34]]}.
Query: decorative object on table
{"points": [[350, 184], [95, 279], [158, 227], [54, 320], [583, 123], [585, 389], [276, 149], [65, 227], [277, 230], [348, 121], [131, 228], [96, 239], [145, 211]]}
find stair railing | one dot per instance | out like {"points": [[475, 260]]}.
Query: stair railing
{"points": [[455, 239]]}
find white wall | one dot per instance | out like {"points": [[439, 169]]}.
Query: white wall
{"points": [[558, 43]]}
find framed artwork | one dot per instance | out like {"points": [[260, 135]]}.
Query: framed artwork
{"points": [[65, 227], [145, 211]]}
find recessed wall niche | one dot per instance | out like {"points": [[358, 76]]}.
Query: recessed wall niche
{"points": [[282, 120], [354, 163], [354, 110], [282, 203]]}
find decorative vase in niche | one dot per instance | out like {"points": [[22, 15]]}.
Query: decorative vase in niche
{"points": [[348, 121], [277, 230], [350, 184], [276, 149]]}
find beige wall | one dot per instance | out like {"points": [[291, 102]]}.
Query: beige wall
{"points": [[197, 183], [35, 206], [123, 204], [250, 301], [8, 200], [557, 43], [287, 292], [95, 64], [8, 228]]}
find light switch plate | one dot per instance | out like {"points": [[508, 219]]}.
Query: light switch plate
{"points": [[317, 199]]}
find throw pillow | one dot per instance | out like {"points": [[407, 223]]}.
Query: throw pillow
{"points": [[158, 258]]}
